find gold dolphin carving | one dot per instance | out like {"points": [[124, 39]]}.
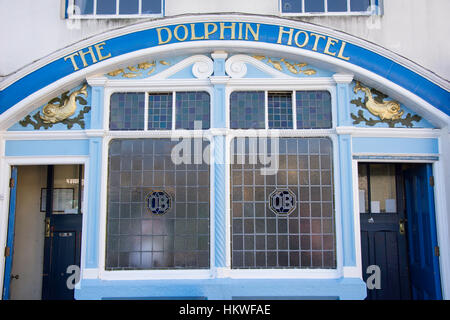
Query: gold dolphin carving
{"points": [[53, 113], [386, 110]]}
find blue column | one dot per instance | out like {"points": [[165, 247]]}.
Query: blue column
{"points": [[97, 107], [93, 176], [343, 98], [346, 188], [345, 166], [219, 80], [93, 208]]}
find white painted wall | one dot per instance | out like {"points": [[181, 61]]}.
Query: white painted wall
{"points": [[416, 29]]}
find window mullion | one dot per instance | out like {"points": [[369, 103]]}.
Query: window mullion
{"points": [[266, 110], [95, 8], [294, 111], [146, 112], [325, 6], [303, 6], [348, 6], [140, 7], [173, 110]]}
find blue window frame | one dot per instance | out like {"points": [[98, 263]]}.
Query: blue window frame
{"points": [[114, 8], [330, 7]]}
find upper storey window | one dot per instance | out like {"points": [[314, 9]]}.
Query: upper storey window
{"points": [[330, 7], [114, 8]]}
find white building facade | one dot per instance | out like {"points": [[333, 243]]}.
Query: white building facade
{"points": [[224, 150]]}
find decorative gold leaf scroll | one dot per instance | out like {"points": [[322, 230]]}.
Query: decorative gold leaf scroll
{"points": [[133, 71], [295, 68]]}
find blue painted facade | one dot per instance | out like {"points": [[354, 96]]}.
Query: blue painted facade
{"points": [[221, 288]]}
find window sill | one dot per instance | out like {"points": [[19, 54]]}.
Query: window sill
{"points": [[114, 16], [329, 14]]}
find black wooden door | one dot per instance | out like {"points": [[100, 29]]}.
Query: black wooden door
{"points": [[384, 244], [62, 247]]}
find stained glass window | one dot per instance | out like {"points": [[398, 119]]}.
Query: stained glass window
{"points": [[280, 110], [313, 109], [264, 238], [160, 111], [247, 110], [127, 111], [158, 212], [192, 110]]}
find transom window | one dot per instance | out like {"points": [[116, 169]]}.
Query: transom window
{"points": [[298, 7], [248, 110], [155, 111], [114, 8]]}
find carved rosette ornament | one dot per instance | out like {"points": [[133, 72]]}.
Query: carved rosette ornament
{"points": [[389, 112], [59, 110]]}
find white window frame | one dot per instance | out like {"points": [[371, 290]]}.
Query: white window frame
{"points": [[117, 15], [373, 10], [147, 274], [284, 273]]}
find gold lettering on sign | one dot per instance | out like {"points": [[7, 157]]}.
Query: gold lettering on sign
{"points": [[210, 32], [72, 59], [318, 37], [193, 36], [341, 52], [177, 36], [330, 42], [255, 34], [305, 42], [169, 35], [99, 48], [280, 35], [89, 51], [231, 28], [84, 53]]}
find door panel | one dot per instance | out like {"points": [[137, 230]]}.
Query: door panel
{"points": [[382, 244], [10, 238], [63, 241], [424, 264]]}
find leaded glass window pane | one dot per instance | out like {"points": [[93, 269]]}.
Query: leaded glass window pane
{"points": [[280, 110], [313, 109], [160, 111], [314, 6], [294, 6], [193, 110], [247, 110], [106, 6], [337, 5], [151, 6], [129, 7], [127, 111], [359, 5], [84, 7], [263, 237], [158, 212]]}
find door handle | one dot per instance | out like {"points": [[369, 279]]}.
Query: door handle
{"points": [[15, 277], [47, 227], [402, 229]]}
